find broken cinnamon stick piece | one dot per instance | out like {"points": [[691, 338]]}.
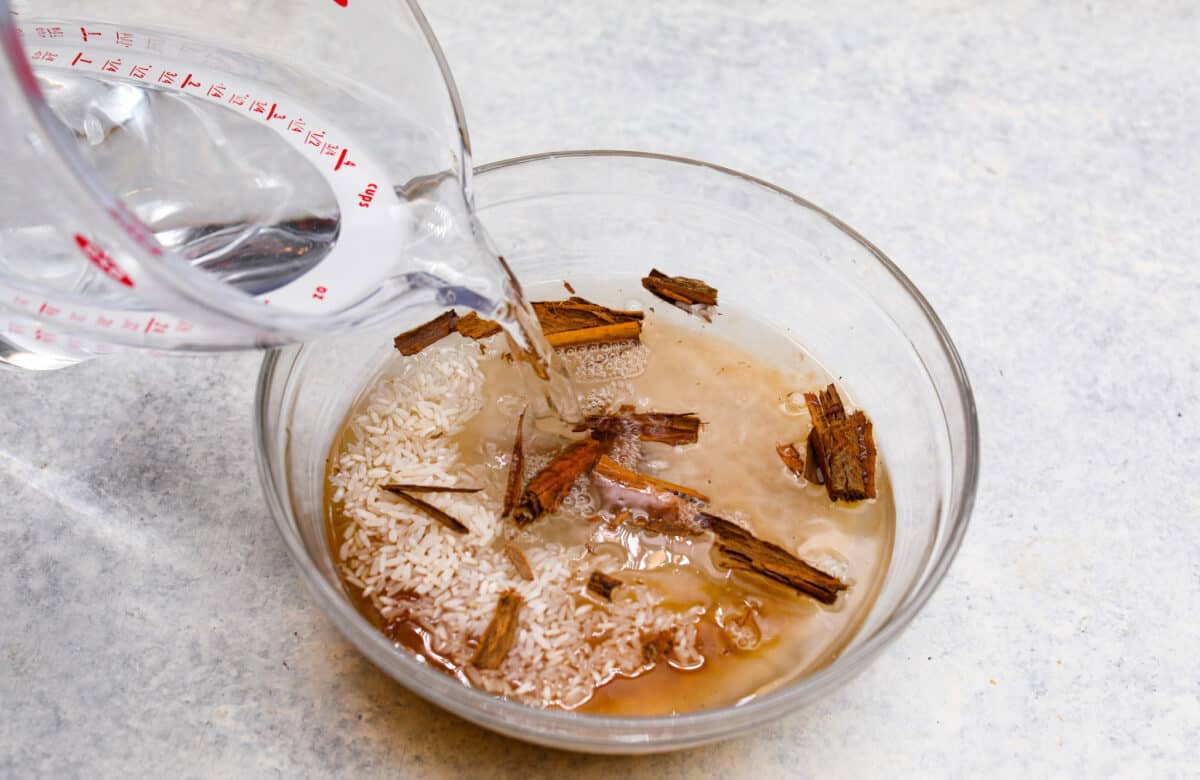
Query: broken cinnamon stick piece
{"points": [[577, 321], [437, 514], [812, 464], [413, 341], [550, 486], [568, 323], [500, 633], [844, 446], [396, 487], [519, 561], [602, 584], [516, 468], [791, 458], [738, 549], [472, 326], [691, 295], [659, 427], [613, 472]]}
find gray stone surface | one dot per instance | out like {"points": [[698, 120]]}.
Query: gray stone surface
{"points": [[1034, 167]]}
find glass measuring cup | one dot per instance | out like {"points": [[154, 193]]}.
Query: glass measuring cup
{"points": [[214, 176]]}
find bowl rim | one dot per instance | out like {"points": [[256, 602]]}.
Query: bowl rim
{"points": [[670, 731]]}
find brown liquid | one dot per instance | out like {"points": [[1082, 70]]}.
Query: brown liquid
{"points": [[747, 399]]}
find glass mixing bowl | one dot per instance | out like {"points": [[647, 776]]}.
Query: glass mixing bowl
{"points": [[584, 215]]}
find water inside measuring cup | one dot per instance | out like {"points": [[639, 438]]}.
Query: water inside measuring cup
{"points": [[224, 192], [233, 194]]}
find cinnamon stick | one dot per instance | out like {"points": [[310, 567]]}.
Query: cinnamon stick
{"points": [[472, 326], [397, 487], [516, 467], [659, 427], [550, 486], [738, 549], [570, 323], [413, 341], [812, 464], [844, 446], [602, 584], [613, 472], [691, 295], [577, 321], [439, 515], [500, 633]]}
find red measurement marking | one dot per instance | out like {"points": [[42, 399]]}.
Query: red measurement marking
{"points": [[154, 44], [342, 3], [216, 91], [139, 71], [155, 326], [274, 113], [188, 81], [85, 34], [183, 327], [103, 261], [343, 162], [296, 125], [49, 32], [315, 138], [258, 106], [20, 301], [48, 310], [78, 59], [103, 321], [366, 196], [319, 293], [124, 39], [168, 77], [330, 149], [77, 317], [44, 56], [111, 66], [135, 229], [132, 325], [46, 336]]}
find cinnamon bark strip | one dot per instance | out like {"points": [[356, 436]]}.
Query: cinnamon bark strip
{"points": [[519, 561], [397, 487], [844, 446], [413, 341], [500, 633], [812, 464], [472, 326], [808, 466], [602, 584], [570, 323], [577, 321], [442, 517], [660, 427], [691, 295], [516, 468], [613, 472], [550, 486], [738, 549]]}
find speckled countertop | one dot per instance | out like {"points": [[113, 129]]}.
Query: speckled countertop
{"points": [[1034, 167]]}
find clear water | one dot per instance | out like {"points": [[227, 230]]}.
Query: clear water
{"points": [[233, 197], [221, 190]]}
